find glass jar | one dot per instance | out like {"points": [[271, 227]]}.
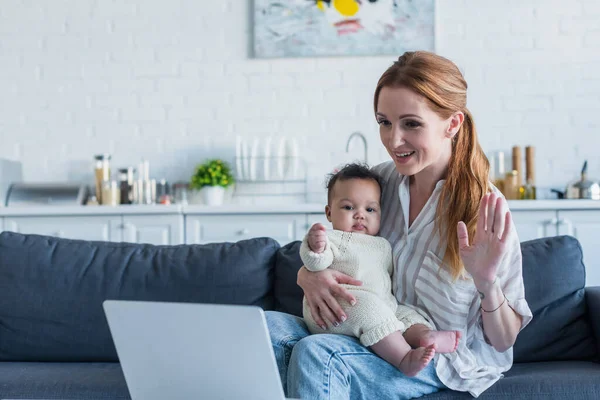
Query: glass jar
{"points": [[180, 193], [126, 176], [111, 193], [101, 173]]}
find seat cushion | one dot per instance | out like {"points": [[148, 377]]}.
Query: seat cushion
{"points": [[51, 289], [544, 380], [67, 381], [554, 278], [288, 295]]}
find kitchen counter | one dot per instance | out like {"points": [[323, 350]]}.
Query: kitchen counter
{"points": [[299, 208]]}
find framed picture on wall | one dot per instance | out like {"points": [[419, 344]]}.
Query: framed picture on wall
{"points": [[308, 28]]}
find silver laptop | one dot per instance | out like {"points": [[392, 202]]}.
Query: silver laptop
{"points": [[193, 351]]}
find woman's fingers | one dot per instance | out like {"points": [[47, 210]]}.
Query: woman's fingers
{"points": [[345, 294], [463, 235], [336, 310], [342, 278], [507, 226], [314, 311], [491, 212], [500, 212], [482, 213], [327, 314]]}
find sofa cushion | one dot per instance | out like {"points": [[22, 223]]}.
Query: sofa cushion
{"points": [[68, 381], [51, 289], [288, 295], [543, 380], [554, 278]]}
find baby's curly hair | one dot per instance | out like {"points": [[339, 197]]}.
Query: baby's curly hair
{"points": [[351, 171]]}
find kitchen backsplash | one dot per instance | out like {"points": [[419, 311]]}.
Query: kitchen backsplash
{"points": [[92, 78]]}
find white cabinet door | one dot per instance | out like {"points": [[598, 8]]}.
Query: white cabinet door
{"points": [[104, 228], [153, 229], [585, 226], [284, 228], [535, 224]]}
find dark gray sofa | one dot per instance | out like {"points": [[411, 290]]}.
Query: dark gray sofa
{"points": [[55, 343]]}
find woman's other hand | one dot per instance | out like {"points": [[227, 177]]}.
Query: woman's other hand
{"points": [[321, 289], [482, 258]]}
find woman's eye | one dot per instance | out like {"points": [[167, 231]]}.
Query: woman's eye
{"points": [[384, 122], [412, 124]]}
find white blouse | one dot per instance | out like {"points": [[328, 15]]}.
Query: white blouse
{"points": [[420, 282]]}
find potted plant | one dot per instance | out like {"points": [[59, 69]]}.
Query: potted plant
{"points": [[211, 178]]}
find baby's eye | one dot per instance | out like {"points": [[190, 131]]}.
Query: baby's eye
{"points": [[371, 209], [347, 208]]}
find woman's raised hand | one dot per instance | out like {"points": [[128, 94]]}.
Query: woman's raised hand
{"points": [[483, 256], [321, 289]]}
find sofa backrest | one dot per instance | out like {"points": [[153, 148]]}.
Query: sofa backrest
{"points": [[51, 290], [554, 278]]}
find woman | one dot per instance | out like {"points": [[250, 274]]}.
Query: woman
{"points": [[456, 253]]}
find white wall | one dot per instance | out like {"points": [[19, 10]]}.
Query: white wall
{"points": [[174, 82]]}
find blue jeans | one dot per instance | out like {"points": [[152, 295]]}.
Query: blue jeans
{"points": [[326, 366]]}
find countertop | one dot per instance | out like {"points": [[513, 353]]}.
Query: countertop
{"points": [[299, 208]]}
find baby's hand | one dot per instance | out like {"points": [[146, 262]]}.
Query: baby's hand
{"points": [[317, 239]]}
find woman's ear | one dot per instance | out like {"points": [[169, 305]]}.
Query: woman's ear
{"points": [[455, 122]]}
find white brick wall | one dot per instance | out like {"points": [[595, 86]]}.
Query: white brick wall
{"points": [[174, 82]]}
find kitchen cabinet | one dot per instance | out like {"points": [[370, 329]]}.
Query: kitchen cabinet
{"points": [[1, 224], [585, 226], [535, 224], [153, 229], [284, 228], [105, 228]]}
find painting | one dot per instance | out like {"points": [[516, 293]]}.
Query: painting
{"points": [[307, 28]]}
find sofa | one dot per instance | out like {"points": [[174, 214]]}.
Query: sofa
{"points": [[55, 342]]}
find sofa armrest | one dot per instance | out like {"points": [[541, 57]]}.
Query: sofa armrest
{"points": [[592, 296]]}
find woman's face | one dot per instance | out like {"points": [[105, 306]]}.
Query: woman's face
{"points": [[417, 139]]}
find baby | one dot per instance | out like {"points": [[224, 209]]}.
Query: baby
{"points": [[398, 334]]}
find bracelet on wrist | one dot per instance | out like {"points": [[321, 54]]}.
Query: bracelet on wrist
{"points": [[497, 308]]}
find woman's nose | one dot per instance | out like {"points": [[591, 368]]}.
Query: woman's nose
{"points": [[396, 138]]}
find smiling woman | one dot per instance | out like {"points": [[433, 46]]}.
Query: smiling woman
{"points": [[456, 254]]}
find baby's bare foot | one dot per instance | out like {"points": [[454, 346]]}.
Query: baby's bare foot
{"points": [[417, 359], [445, 341]]}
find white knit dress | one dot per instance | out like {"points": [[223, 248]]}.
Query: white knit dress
{"points": [[368, 259]]}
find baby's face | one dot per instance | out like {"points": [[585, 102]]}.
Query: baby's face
{"points": [[354, 206]]}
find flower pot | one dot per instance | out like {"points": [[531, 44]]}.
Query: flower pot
{"points": [[213, 195]]}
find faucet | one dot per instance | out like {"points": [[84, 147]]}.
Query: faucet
{"points": [[364, 140]]}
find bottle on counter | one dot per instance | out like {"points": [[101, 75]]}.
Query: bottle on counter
{"points": [[101, 173], [517, 165], [499, 174], [528, 190], [126, 180], [511, 185]]}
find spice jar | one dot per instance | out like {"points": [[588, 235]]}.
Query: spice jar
{"points": [[101, 173], [126, 176], [111, 194]]}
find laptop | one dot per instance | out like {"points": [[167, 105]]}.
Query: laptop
{"points": [[193, 351]]}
